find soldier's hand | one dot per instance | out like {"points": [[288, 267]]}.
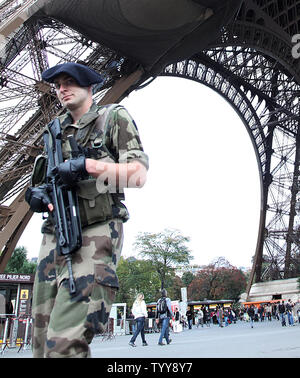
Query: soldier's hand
{"points": [[72, 170], [38, 199]]}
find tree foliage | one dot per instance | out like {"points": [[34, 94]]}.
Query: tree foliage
{"points": [[187, 278], [166, 250], [136, 276], [218, 280], [18, 263]]}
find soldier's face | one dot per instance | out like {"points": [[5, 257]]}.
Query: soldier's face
{"points": [[69, 93]]}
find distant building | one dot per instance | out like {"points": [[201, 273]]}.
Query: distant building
{"points": [[272, 290], [194, 269]]}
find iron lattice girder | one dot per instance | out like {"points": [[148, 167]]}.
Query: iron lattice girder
{"points": [[20, 139], [250, 65], [245, 77], [285, 13], [253, 103]]}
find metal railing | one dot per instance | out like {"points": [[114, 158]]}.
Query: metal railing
{"points": [[15, 332]]}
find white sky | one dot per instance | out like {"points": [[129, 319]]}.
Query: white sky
{"points": [[203, 178]]}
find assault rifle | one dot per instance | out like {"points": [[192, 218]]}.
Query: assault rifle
{"points": [[64, 199]]}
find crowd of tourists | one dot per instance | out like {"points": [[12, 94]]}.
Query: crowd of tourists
{"points": [[287, 312]]}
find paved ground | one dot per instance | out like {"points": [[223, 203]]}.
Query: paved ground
{"points": [[265, 340]]}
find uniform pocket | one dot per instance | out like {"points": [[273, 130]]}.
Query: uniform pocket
{"points": [[94, 207], [102, 298], [106, 276], [39, 171]]}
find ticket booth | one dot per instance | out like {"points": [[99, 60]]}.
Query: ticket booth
{"points": [[15, 305]]}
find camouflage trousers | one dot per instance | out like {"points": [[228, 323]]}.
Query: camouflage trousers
{"points": [[64, 325]]}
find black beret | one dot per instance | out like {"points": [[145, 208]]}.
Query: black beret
{"points": [[84, 75]]}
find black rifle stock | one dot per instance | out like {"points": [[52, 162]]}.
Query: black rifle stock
{"points": [[64, 199]]}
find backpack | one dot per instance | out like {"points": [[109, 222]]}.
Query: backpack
{"points": [[162, 305]]}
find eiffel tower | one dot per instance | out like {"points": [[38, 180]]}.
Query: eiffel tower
{"points": [[247, 51]]}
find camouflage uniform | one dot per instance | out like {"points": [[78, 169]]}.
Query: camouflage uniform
{"points": [[64, 325]]}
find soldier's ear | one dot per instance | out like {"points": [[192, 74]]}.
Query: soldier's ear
{"points": [[93, 89]]}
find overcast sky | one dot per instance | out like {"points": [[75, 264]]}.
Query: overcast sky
{"points": [[203, 178]]}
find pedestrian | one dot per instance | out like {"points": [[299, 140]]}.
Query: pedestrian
{"points": [[177, 325], [206, 316], [226, 317], [294, 312], [189, 316], [251, 314], [140, 313], [183, 321], [151, 320], [200, 318], [276, 311], [131, 323], [214, 316], [112, 157], [281, 311], [255, 313], [261, 312], [232, 316], [196, 317], [163, 315], [289, 311], [269, 311], [220, 316]]}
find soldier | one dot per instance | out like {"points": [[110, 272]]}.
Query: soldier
{"points": [[65, 325]]}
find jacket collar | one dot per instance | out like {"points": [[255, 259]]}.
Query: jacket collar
{"points": [[87, 118]]}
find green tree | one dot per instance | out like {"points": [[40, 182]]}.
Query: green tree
{"points": [[18, 263], [165, 250], [136, 276], [187, 278]]}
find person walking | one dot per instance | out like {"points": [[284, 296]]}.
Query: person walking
{"points": [[189, 316], [269, 311], [206, 316], [177, 327], [226, 315], [109, 158], [251, 313], [289, 311], [281, 310], [140, 313], [163, 315], [256, 314], [196, 317], [200, 318], [261, 312], [220, 316]]}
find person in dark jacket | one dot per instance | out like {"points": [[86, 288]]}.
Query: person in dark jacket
{"points": [[164, 318], [281, 310], [289, 311], [189, 316], [251, 313]]}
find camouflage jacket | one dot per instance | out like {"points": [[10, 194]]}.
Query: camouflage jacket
{"points": [[119, 142]]}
